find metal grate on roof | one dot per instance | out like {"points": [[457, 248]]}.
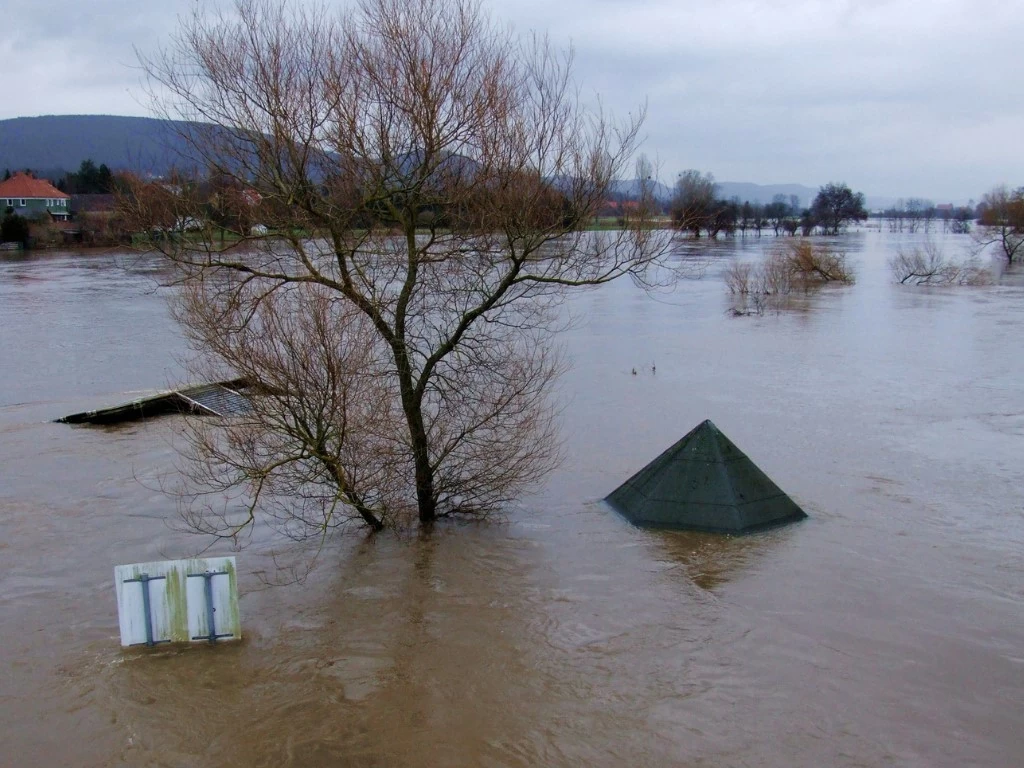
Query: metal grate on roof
{"points": [[217, 399]]}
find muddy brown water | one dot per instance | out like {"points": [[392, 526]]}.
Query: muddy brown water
{"points": [[887, 629]]}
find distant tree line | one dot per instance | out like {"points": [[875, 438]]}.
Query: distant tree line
{"points": [[8, 173], [697, 209], [88, 180], [1000, 220], [917, 214]]}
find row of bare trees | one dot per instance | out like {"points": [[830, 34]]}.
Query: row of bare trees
{"points": [[916, 214], [695, 208]]}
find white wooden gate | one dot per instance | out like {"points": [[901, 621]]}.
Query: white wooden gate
{"points": [[178, 601]]}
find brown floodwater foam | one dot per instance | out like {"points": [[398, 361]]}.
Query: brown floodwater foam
{"points": [[883, 630]]}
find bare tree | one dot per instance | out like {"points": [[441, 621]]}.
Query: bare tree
{"points": [[758, 221], [958, 220], [1002, 221], [426, 180], [739, 278], [896, 214], [777, 211], [812, 264], [928, 265], [834, 206], [694, 203]]}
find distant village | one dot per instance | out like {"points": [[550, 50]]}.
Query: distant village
{"points": [[79, 209]]}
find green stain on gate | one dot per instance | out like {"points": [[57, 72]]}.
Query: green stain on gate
{"points": [[234, 623], [177, 610], [168, 587]]}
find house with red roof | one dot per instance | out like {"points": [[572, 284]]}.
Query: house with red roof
{"points": [[30, 197]]}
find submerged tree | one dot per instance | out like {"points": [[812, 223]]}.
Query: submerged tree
{"points": [[797, 265], [694, 203], [927, 265], [1001, 216], [779, 211], [835, 206], [427, 180]]}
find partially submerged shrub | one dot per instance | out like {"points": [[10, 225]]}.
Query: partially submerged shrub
{"points": [[775, 276], [739, 278], [799, 265], [928, 265], [811, 263]]}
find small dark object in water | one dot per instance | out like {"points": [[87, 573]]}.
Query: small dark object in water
{"points": [[704, 482], [634, 371], [223, 398]]}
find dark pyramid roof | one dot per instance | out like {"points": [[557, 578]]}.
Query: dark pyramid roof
{"points": [[704, 482]]}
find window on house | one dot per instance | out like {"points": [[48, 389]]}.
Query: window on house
{"points": [[23, 202]]}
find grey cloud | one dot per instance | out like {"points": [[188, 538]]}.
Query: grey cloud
{"points": [[897, 97]]}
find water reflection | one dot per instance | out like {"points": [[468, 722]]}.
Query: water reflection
{"points": [[711, 560]]}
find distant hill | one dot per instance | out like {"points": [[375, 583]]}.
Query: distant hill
{"points": [[630, 188], [53, 144], [763, 193]]}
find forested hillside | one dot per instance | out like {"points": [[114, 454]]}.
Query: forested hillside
{"points": [[54, 144]]}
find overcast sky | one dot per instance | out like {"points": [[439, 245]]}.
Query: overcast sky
{"points": [[895, 97]]}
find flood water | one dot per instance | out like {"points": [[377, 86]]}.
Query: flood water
{"points": [[885, 630]]}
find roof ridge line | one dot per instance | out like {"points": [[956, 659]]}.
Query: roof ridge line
{"points": [[721, 462]]}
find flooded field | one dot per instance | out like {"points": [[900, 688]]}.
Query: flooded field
{"points": [[885, 630]]}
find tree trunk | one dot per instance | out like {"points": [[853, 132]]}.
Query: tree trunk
{"points": [[412, 407], [369, 518], [425, 501]]}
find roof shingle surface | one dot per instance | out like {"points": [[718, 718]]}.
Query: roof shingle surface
{"points": [[21, 185]]}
